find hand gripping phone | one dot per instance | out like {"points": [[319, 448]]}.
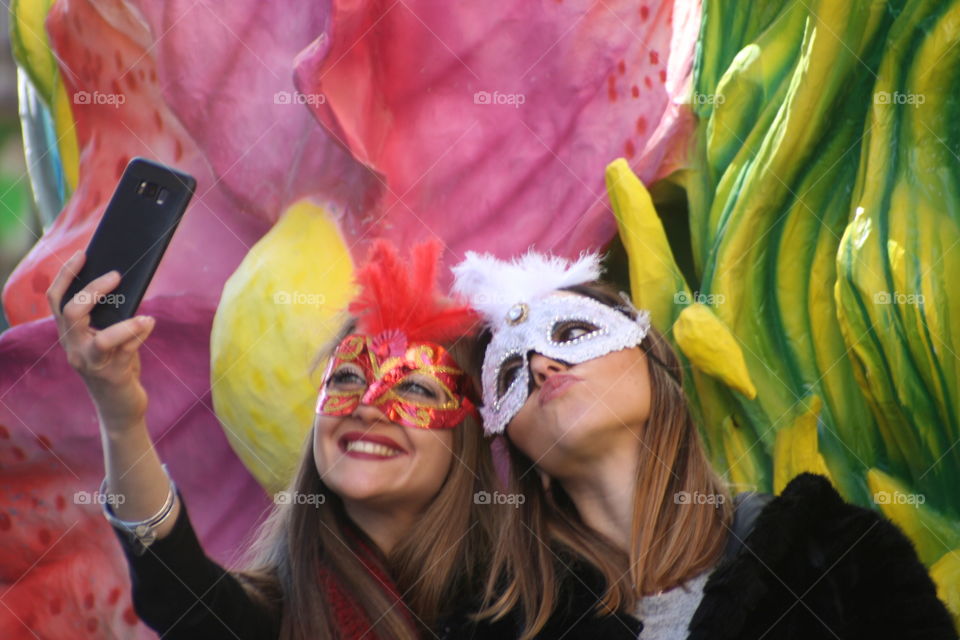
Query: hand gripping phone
{"points": [[133, 234]]}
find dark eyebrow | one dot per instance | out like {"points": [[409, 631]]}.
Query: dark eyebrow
{"points": [[625, 310]]}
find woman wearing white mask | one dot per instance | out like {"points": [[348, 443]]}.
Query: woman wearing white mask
{"points": [[621, 505]]}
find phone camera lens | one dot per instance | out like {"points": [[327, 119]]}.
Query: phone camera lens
{"points": [[147, 189]]}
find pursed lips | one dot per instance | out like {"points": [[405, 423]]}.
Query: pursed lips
{"points": [[555, 385]]}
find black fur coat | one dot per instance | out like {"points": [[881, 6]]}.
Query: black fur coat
{"points": [[813, 567]]}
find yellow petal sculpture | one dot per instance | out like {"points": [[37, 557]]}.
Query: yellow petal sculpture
{"points": [[277, 310]]}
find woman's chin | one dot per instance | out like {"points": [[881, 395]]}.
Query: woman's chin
{"points": [[557, 447], [577, 429], [362, 487]]}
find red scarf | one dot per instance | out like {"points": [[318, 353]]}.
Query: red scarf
{"points": [[351, 620]]}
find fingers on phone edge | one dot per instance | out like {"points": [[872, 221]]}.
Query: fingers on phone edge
{"points": [[61, 282], [126, 335]]}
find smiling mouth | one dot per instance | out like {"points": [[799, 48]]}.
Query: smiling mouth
{"points": [[361, 446], [368, 447]]}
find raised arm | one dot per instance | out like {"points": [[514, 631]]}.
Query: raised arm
{"points": [[177, 590]]}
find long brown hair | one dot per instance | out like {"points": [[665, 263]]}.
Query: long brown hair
{"points": [[438, 562], [669, 542]]}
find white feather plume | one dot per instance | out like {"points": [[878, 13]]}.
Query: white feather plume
{"points": [[492, 285]]}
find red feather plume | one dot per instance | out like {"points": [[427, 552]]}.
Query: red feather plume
{"points": [[395, 296]]}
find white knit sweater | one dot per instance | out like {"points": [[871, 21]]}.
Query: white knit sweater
{"points": [[667, 615]]}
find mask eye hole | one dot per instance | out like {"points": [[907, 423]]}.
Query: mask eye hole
{"points": [[421, 388], [508, 373], [569, 330], [347, 377]]}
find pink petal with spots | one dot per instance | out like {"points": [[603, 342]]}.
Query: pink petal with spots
{"points": [[58, 552], [129, 119], [491, 129], [237, 100]]}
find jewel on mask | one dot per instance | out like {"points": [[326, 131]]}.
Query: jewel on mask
{"points": [[517, 313]]}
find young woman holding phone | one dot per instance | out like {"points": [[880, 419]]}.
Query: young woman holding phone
{"points": [[396, 544]]}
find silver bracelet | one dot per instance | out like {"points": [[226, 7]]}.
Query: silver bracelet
{"points": [[140, 531]]}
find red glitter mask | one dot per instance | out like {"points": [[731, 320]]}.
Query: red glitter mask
{"points": [[394, 360], [416, 384]]}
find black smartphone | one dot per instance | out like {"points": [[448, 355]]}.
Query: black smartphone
{"points": [[133, 234]]}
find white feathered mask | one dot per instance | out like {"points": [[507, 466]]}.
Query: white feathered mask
{"points": [[522, 304]]}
